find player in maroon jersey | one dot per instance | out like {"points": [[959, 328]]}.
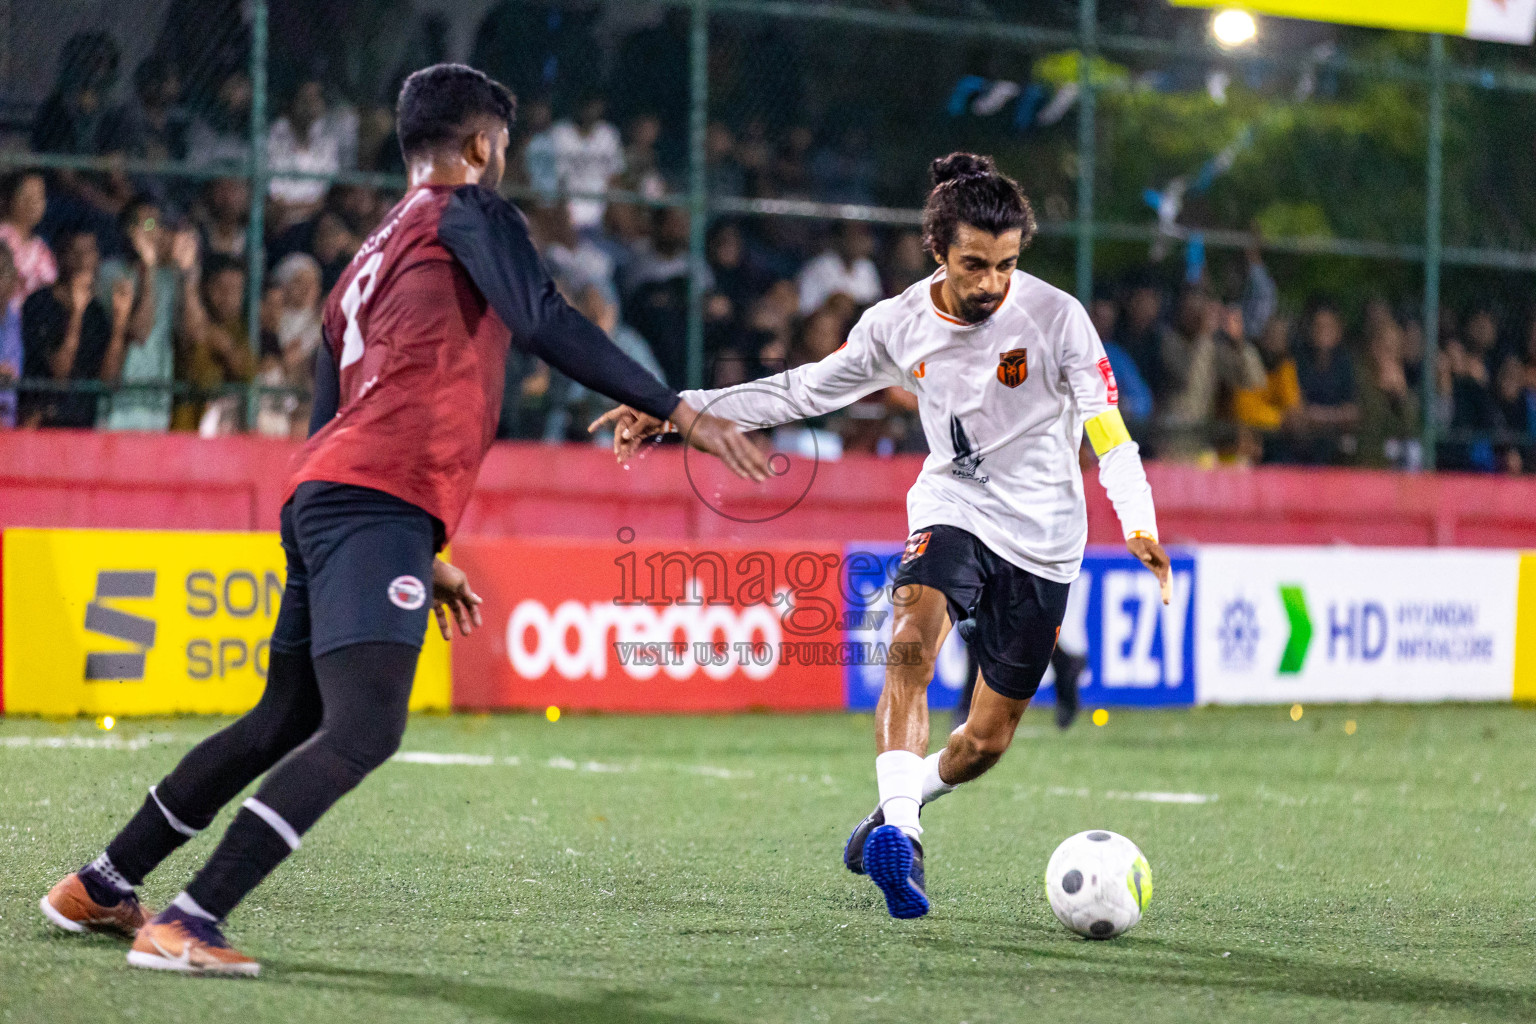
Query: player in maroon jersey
{"points": [[408, 391]]}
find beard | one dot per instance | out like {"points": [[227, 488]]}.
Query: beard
{"points": [[973, 309]]}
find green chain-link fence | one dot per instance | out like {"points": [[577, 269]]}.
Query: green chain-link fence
{"points": [[1356, 162]]}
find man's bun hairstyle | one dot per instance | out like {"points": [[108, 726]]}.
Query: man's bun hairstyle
{"points": [[969, 189], [440, 105]]}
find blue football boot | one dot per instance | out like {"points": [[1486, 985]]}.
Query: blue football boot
{"points": [[894, 861]]}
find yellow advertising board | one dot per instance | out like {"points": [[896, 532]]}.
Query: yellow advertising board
{"points": [[1502, 21], [142, 622], [1525, 631]]}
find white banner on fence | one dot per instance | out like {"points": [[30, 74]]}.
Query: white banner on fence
{"points": [[1281, 624]]}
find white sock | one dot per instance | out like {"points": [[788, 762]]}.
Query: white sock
{"points": [[104, 867], [933, 786], [188, 905], [899, 774]]}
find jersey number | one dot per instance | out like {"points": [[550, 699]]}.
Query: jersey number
{"points": [[352, 301]]}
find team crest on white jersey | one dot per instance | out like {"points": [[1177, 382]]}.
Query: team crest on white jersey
{"points": [[1013, 367]]}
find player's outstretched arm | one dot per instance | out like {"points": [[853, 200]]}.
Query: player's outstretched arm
{"points": [[719, 437], [451, 595], [490, 239]]}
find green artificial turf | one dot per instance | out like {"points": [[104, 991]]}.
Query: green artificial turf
{"points": [[673, 869]]}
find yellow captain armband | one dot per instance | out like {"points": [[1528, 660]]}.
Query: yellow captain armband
{"points": [[1106, 430]]}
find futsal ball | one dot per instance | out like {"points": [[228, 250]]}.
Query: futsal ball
{"points": [[1098, 883]]}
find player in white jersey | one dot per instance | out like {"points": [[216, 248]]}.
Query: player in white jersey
{"points": [[1008, 373]]}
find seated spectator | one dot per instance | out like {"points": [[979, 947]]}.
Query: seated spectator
{"points": [[725, 176], [588, 156], [280, 412], [666, 258], [24, 199], [1140, 330], [642, 161], [1389, 408], [845, 172], [906, 263], [1480, 335], [152, 125], [310, 137], [154, 275], [1330, 408], [736, 280], [298, 328], [221, 216], [571, 406], [540, 163], [12, 352], [222, 135], [1517, 401], [575, 260], [1474, 411], [333, 234], [1266, 411], [1202, 359], [70, 119], [215, 349], [844, 269], [1135, 396], [67, 335], [626, 236], [1261, 297]]}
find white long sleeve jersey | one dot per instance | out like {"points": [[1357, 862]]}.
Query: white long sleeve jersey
{"points": [[1003, 405]]}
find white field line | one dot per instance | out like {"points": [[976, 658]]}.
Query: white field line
{"points": [[92, 742], [428, 757], [1149, 797], [1164, 798]]}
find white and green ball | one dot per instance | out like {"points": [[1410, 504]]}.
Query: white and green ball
{"points": [[1098, 883]]}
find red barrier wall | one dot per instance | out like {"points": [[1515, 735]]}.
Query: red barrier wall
{"points": [[170, 481]]}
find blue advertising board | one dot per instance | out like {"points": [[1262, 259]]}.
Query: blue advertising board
{"points": [[1139, 652]]}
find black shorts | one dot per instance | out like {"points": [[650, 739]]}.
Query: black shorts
{"points": [[359, 569], [1016, 615]]}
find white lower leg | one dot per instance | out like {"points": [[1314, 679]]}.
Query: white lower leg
{"points": [[899, 774]]}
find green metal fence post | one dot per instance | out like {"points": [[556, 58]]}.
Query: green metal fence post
{"points": [[255, 234], [698, 199], [1088, 48], [1434, 174]]}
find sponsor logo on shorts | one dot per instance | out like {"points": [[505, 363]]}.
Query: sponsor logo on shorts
{"points": [[916, 545], [407, 592]]}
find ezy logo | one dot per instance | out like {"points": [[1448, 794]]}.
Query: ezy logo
{"points": [[119, 625]]}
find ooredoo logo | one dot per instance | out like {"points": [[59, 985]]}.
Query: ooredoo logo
{"points": [[407, 592], [577, 639]]}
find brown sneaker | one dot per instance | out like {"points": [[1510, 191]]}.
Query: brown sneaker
{"points": [[69, 906], [177, 941]]}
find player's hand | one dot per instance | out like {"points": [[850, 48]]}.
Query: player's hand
{"points": [[721, 438], [1155, 558], [631, 428], [451, 594]]}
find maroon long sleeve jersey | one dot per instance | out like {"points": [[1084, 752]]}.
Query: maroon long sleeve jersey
{"points": [[409, 383]]}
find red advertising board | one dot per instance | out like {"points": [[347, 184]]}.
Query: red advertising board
{"points": [[637, 627]]}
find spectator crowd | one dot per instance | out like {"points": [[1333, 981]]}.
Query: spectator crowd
{"points": [[127, 292]]}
